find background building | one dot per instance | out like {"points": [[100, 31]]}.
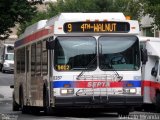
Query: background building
{"points": [[147, 29]]}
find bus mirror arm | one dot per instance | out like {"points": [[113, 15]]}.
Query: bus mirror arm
{"points": [[12, 86], [50, 45], [144, 56]]}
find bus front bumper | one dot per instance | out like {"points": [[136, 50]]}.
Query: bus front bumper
{"points": [[99, 101]]}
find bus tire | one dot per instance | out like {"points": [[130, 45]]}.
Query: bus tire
{"points": [[158, 102], [46, 107], [21, 102], [15, 106], [1, 67], [3, 71]]}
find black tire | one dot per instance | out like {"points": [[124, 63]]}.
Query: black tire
{"points": [[3, 71], [1, 67], [158, 102], [15, 106], [21, 102], [47, 109]]}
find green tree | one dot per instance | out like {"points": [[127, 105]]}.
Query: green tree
{"points": [[152, 8], [12, 12], [128, 7]]}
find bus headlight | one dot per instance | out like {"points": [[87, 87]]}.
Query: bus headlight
{"points": [[129, 90], [67, 91]]}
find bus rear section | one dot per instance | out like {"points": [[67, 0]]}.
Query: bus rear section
{"points": [[151, 73]]}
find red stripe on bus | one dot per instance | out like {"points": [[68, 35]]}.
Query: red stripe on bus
{"points": [[98, 84], [35, 36], [151, 84], [147, 83]]}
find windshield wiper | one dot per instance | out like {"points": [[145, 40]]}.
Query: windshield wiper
{"points": [[117, 74], [89, 64]]}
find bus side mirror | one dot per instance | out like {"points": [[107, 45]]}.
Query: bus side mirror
{"points": [[50, 45], [154, 72], [144, 56]]}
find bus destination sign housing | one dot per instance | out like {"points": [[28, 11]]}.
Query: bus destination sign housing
{"points": [[97, 27]]}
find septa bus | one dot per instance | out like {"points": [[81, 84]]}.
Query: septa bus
{"points": [[79, 60], [151, 72]]}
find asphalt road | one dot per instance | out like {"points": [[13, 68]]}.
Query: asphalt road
{"points": [[6, 79], [6, 112]]}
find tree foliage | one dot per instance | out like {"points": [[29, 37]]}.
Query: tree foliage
{"points": [[12, 12], [128, 7], [152, 8]]}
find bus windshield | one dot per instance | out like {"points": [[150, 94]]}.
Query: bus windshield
{"points": [[75, 53], [119, 53], [9, 57], [10, 49]]}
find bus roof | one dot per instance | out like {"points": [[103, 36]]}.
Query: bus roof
{"points": [[73, 17], [145, 39], [45, 27], [91, 16]]}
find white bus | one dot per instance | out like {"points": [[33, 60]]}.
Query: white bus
{"points": [[151, 72], [78, 60], [6, 57]]}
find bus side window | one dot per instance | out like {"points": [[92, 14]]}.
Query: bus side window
{"points": [[33, 59], [18, 62], [27, 59], [22, 55], [38, 58], [44, 59]]}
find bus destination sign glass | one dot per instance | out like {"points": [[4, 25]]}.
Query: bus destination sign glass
{"points": [[97, 27]]}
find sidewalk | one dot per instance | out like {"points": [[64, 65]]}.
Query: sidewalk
{"points": [[5, 93]]}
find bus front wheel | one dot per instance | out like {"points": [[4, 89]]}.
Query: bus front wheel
{"points": [[158, 102], [46, 107], [15, 106]]}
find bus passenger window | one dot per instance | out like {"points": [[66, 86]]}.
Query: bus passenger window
{"points": [[22, 55], [33, 59], [18, 62], [38, 58], [44, 59]]}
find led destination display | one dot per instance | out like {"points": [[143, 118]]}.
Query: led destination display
{"points": [[100, 27]]}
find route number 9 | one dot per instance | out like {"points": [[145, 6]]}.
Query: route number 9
{"points": [[69, 27]]}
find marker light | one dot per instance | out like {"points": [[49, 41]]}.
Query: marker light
{"points": [[96, 20], [133, 27], [128, 17], [87, 20], [105, 20], [67, 85], [129, 85], [60, 28]]}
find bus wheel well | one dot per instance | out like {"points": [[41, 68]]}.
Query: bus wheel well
{"points": [[158, 101], [20, 95], [157, 92], [45, 95]]}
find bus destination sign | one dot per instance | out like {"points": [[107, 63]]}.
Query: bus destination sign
{"points": [[97, 27]]}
